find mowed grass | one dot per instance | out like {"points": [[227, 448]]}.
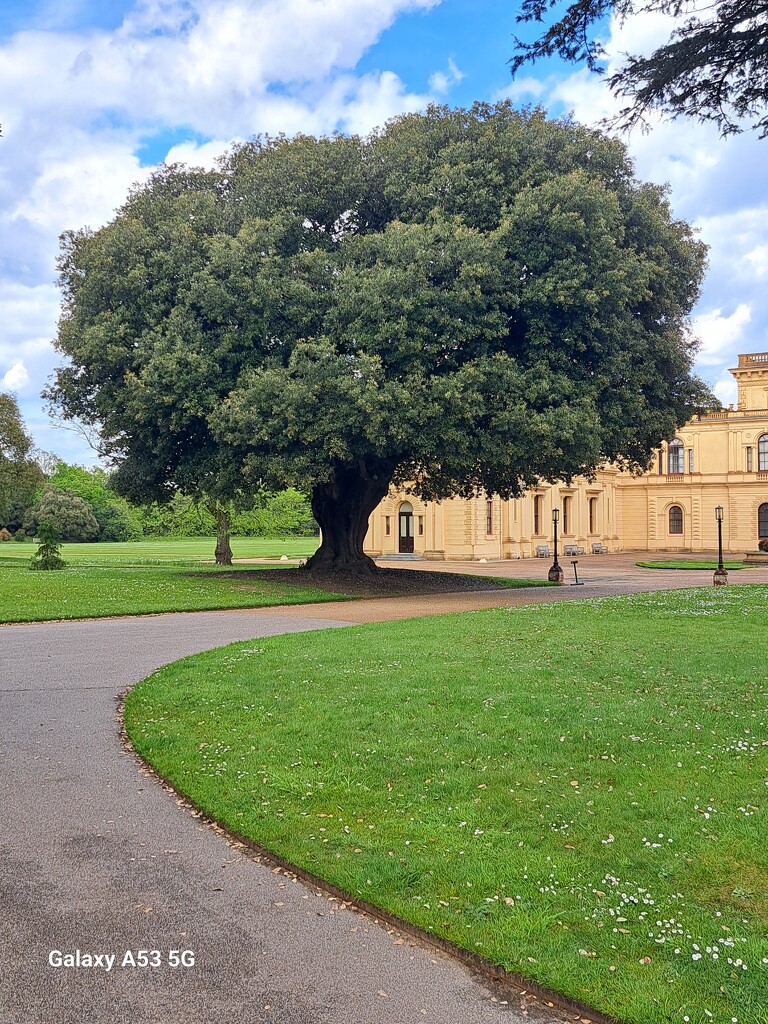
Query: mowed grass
{"points": [[189, 549], [575, 791], [682, 563], [92, 591]]}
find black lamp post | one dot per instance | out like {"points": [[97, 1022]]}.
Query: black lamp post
{"points": [[720, 578], [555, 573]]}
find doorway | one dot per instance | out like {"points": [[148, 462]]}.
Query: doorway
{"points": [[405, 531]]}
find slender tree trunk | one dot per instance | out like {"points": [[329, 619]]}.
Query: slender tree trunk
{"points": [[223, 547], [342, 507]]}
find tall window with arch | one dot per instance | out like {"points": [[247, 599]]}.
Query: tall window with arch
{"points": [[762, 454], [675, 519], [762, 521], [676, 457]]}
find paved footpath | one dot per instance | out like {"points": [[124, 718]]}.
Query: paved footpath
{"points": [[96, 856]]}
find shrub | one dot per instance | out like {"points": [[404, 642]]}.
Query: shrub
{"points": [[20, 535], [763, 544], [71, 517], [5, 534], [47, 555]]}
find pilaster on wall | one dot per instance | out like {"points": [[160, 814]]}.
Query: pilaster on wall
{"points": [[697, 542], [653, 523]]}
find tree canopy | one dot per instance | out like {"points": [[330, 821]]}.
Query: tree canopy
{"points": [[20, 475], [466, 300], [714, 66], [64, 512]]}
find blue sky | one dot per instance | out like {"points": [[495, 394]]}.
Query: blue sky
{"points": [[94, 93]]}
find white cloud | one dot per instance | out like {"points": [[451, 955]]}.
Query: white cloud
{"points": [[720, 334], [16, 378], [440, 82], [726, 390], [757, 260], [374, 100], [28, 315], [81, 185], [199, 154]]}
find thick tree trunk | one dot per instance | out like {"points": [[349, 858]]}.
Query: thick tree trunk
{"points": [[342, 507], [223, 547]]}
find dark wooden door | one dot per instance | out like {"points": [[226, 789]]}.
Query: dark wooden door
{"points": [[406, 531]]}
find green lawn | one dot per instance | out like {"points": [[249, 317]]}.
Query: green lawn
{"points": [[198, 549], [682, 563], [575, 791], [84, 591]]}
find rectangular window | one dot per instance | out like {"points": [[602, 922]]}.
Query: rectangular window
{"points": [[749, 459], [386, 526], [593, 515], [690, 460], [536, 514], [566, 515], [489, 517], [421, 526]]}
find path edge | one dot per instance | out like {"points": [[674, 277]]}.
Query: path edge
{"points": [[497, 978]]}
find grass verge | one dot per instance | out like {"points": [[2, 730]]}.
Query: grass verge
{"points": [[187, 549], [681, 563], [577, 791], [84, 591]]}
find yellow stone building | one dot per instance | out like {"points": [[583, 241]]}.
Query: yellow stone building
{"points": [[717, 459]]}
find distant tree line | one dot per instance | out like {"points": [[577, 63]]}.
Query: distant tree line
{"points": [[38, 490]]}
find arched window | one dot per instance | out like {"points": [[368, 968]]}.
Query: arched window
{"points": [[762, 454], [675, 519], [676, 457], [762, 521]]}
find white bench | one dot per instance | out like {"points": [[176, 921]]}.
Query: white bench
{"points": [[572, 549], [598, 549], [542, 550]]}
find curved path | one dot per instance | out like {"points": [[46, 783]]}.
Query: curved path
{"points": [[96, 856]]}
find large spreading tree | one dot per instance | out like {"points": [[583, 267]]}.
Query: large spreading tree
{"points": [[713, 67], [467, 300]]}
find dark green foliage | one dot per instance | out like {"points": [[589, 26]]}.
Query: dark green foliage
{"points": [[20, 475], [287, 513], [117, 520], [283, 514], [47, 555], [714, 67], [69, 516], [471, 300]]}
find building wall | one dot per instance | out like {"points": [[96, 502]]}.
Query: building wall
{"points": [[628, 513]]}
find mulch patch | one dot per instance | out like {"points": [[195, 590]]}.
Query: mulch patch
{"points": [[383, 583]]}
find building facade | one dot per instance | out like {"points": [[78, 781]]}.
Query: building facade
{"points": [[720, 459]]}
